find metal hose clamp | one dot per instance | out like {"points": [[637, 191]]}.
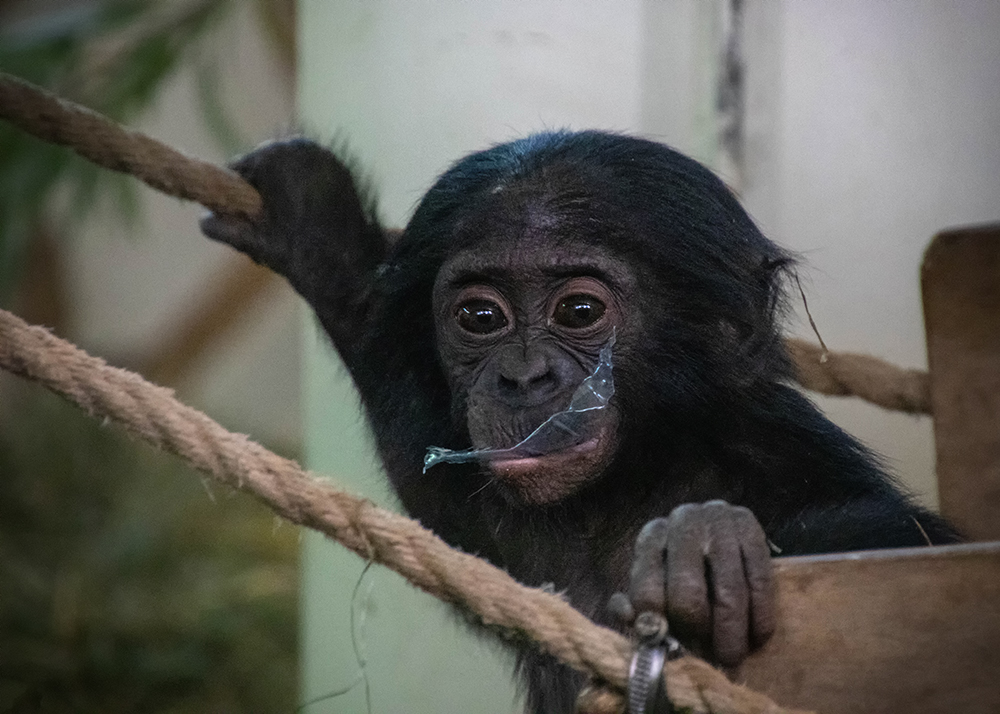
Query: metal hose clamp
{"points": [[647, 692]]}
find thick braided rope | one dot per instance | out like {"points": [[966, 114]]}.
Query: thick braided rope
{"points": [[108, 144], [154, 415]]}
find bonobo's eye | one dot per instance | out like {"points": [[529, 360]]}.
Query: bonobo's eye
{"points": [[480, 317], [576, 311]]}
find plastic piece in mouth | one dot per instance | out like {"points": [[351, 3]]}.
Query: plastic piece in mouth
{"points": [[574, 425]]}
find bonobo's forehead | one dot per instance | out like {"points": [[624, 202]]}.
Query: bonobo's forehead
{"points": [[552, 205], [533, 256], [518, 232]]}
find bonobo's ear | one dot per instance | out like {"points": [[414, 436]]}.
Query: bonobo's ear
{"points": [[757, 347], [775, 273]]}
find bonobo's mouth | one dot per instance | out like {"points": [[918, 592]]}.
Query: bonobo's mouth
{"points": [[586, 413], [551, 477], [548, 461]]}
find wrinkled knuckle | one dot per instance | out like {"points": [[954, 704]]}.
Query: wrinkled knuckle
{"points": [[730, 601], [742, 513], [646, 592], [688, 598], [690, 614], [654, 531], [280, 161], [685, 512], [728, 630]]}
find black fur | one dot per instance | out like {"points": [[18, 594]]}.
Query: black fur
{"points": [[707, 413]]}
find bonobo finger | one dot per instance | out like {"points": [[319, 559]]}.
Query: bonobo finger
{"points": [[759, 572], [688, 609], [247, 237], [648, 575], [730, 596], [232, 230], [621, 610]]}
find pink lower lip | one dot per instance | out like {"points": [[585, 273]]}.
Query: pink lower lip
{"points": [[531, 462]]}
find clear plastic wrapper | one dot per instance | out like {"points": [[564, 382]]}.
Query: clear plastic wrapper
{"points": [[574, 425]]}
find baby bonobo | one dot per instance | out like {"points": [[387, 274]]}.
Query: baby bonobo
{"points": [[482, 320]]}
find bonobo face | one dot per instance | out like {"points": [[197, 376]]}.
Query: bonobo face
{"points": [[521, 314]]}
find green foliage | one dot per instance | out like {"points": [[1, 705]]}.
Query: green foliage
{"points": [[114, 57], [126, 584]]}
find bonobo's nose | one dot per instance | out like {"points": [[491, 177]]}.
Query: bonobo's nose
{"points": [[527, 376]]}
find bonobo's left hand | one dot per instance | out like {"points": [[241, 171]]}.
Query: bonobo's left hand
{"points": [[707, 567]]}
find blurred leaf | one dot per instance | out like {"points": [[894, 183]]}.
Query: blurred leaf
{"points": [[212, 111], [114, 57]]}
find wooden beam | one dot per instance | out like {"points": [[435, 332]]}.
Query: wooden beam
{"points": [[886, 632], [961, 288]]}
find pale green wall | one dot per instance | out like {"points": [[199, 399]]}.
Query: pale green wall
{"points": [[413, 85], [419, 658]]}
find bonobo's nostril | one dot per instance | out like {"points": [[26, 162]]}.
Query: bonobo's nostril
{"points": [[507, 384], [526, 374]]}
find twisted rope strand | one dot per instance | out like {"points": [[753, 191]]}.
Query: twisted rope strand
{"points": [[844, 374], [108, 144]]}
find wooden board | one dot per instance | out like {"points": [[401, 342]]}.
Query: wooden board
{"points": [[961, 288], [886, 632]]}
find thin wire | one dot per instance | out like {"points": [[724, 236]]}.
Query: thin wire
{"points": [[362, 663], [355, 645]]}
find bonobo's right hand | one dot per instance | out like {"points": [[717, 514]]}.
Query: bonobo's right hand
{"points": [[707, 568], [314, 230]]}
